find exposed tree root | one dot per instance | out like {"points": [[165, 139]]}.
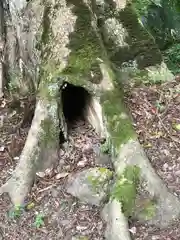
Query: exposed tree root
{"points": [[167, 207], [19, 185], [117, 225]]}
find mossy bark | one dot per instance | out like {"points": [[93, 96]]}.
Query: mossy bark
{"points": [[127, 41], [134, 42]]}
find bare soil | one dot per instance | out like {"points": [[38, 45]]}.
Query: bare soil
{"points": [[156, 115]]}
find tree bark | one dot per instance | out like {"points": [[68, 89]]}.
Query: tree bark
{"points": [[128, 43], [21, 56], [134, 43], [2, 48]]}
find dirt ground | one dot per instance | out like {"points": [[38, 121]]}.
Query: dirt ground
{"points": [[156, 115]]}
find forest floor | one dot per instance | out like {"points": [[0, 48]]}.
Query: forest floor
{"points": [[60, 215], [156, 114]]}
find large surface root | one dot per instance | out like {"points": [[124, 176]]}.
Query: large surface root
{"points": [[167, 205], [19, 185], [117, 225], [65, 216]]}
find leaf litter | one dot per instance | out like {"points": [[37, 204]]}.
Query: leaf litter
{"points": [[64, 217], [156, 114]]}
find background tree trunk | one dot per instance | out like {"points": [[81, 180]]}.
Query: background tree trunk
{"points": [[2, 48]]}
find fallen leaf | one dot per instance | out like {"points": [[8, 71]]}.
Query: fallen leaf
{"points": [[177, 126], [133, 230], [30, 206], [2, 148], [40, 174], [149, 145], [48, 171], [157, 135], [61, 175], [153, 110]]}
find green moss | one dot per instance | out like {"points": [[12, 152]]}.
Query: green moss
{"points": [[125, 188], [16, 211], [84, 46], [105, 171], [118, 122], [42, 44], [98, 181], [83, 62], [106, 147], [50, 81], [148, 211], [49, 69], [85, 51], [140, 44]]}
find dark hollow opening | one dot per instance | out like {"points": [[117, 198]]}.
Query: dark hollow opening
{"points": [[75, 100]]}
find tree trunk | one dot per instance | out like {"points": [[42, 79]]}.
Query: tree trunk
{"points": [[74, 51], [2, 48], [128, 43], [22, 58]]}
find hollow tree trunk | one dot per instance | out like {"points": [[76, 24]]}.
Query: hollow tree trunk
{"points": [[72, 49]]}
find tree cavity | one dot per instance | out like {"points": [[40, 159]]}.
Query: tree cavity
{"points": [[75, 101], [79, 105]]}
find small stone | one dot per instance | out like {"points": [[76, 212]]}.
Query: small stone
{"points": [[54, 193], [87, 148], [166, 152]]}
